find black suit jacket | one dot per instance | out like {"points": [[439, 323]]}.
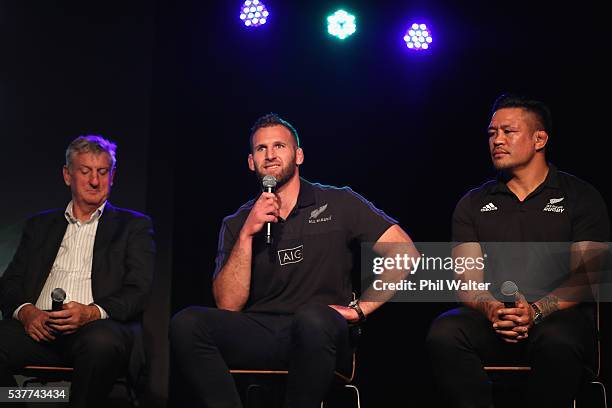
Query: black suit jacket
{"points": [[122, 267]]}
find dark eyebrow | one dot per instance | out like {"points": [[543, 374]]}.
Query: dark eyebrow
{"points": [[502, 127]]}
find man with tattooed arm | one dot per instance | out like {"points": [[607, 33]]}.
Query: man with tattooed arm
{"points": [[549, 327]]}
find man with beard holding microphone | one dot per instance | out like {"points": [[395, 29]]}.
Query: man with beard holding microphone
{"points": [[284, 304]]}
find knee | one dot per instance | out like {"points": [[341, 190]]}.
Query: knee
{"points": [[185, 323], [443, 332], [104, 345], [316, 321], [554, 344]]}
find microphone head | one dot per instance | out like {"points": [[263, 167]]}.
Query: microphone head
{"points": [[268, 181], [509, 288], [58, 295]]}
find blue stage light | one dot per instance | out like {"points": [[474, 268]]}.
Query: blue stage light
{"points": [[418, 37], [254, 13]]}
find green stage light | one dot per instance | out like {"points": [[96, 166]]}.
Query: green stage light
{"points": [[341, 24]]}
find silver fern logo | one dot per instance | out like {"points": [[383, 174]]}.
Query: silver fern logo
{"points": [[315, 213], [553, 207]]}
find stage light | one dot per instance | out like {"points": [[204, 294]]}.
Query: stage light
{"points": [[341, 24], [418, 37], [254, 13]]}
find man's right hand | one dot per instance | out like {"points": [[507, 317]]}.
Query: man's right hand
{"points": [[34, 322], [509, 323], [265, 209], [504, 328]]}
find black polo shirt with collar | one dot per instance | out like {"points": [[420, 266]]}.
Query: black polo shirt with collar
{"points": [[313, 251], [561, 209]]}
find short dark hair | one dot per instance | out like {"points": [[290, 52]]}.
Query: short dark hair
{"points": [[272, 119], [538, 108]]}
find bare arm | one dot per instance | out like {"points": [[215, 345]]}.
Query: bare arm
{"points": [[393, 235], [232, 285], [481, 300], [586, 262]]}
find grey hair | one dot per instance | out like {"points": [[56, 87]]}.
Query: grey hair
{"points": [[91, 144]]}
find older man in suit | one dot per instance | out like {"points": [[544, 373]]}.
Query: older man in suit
{"points": [[102, 256]]}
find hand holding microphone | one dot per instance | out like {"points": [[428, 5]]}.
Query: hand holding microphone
{"points": [[58, 295], [269, 183], [265, 211], [514, 324], [509, 291]]}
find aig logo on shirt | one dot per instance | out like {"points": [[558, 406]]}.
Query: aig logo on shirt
{"points": [[291, 255]]}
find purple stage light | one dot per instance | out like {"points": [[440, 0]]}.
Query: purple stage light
{"points": [[418, 37], [253, 13]]}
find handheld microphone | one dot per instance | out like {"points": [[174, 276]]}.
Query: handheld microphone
{"points": [[509, 291], [58, 295], [268, 183]]}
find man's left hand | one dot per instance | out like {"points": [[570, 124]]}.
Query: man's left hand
{"points": [[515, 322], [72, 316], [348, 313]]}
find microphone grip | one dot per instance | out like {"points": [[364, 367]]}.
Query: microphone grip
{"points": [[56, 306], [509, 301], [268, 224]]}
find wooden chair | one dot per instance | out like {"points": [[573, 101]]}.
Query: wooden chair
{"points": [[597, 386], [257, 378], [43, 375]]}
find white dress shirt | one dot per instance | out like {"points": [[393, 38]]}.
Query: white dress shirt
{"points": [[71, 270]]}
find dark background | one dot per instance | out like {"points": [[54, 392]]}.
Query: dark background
{"points": [[178, 84]]}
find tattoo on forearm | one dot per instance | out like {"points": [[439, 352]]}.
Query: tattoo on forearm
{"points": [[482, 301], [548, 304]]}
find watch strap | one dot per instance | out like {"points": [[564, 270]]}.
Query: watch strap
{"points": [[355, 306], [537, 318]]}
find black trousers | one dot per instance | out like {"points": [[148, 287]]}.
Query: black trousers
{"points": [[207, 342], [561, 351], [98, 351]]}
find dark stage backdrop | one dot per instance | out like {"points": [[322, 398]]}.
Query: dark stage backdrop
{"points": [[70, 69], [179, 92]]}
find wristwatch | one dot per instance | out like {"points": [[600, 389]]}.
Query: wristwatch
{"points": [[355, 305], [537, 318]]}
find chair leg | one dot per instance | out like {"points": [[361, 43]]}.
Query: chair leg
{"points": [[356, 393], [354, 388], [249, 400], [603, 394]]}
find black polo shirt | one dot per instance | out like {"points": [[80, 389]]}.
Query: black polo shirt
{"points": [[561, 209], [313, 250]]}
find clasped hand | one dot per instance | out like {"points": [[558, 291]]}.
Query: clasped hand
{"points": [[44, 326], [513, 324]]}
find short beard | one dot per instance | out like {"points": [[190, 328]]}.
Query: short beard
{"points": [[285, 175], [501, 167]]}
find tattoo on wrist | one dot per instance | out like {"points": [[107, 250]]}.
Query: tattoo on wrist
{"points": [[548, 304]]}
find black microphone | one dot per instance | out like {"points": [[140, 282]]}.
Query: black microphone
{"points": [[509, 291], [268, 183], [58, 295]]}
